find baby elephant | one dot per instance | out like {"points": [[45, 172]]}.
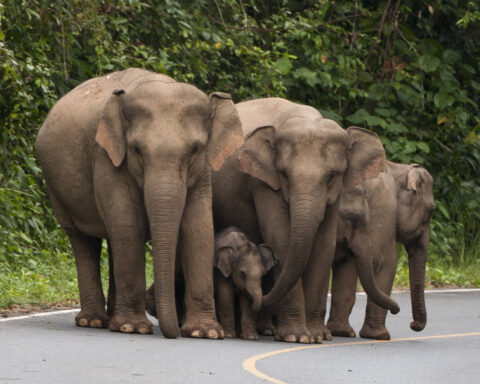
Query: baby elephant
{"points": [[239, 269]]}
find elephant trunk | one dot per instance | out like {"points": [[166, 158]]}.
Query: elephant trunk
{"points": [[364, 264], [254, 289], [417, 260], [165, 201], [307, 211]]}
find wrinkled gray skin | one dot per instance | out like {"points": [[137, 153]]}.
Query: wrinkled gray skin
{"points": [[395, 206], [133, 164], [282, 189], [240, 268]]}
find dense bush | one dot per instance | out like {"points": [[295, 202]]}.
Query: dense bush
{"points": [[407, 70]]}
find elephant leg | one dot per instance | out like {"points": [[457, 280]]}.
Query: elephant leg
{"points": [[92, 301], [374, 324], [344, 284], [111, 284], [126, 224], [225, 302], [129, 273], [247, 320], [317, 275], [274, 221], [86, 251], [264, 322], [196, 253]]}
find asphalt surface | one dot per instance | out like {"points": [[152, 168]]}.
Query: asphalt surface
{"points": [[50, 349]]}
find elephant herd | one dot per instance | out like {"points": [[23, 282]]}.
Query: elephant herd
{"points": [[291, 196]]}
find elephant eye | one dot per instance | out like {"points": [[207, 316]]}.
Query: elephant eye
{"points": [[331, 177], [137, 150], [196, 148]]}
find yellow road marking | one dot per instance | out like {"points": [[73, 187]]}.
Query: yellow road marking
{"points": [[249, 364]]}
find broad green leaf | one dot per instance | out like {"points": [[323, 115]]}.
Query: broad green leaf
{"points": [[307, 74], [423, 146], [283, 65], [373, 121], [443, 99], [358, 117], [428, 63]]}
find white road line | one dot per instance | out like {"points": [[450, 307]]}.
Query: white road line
{"points": [[41, 314]]}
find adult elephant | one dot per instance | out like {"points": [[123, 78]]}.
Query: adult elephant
{"points": [[282, 189], [125, 156], [395, 206]]}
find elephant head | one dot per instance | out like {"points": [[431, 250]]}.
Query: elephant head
{"points": [[415, 208], [165, 135], [244, 263], [356, 234], [308, 161]]}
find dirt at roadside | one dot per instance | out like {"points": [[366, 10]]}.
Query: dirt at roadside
{"points": [[20, 310]]}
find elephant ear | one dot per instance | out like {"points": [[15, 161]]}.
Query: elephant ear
{"points": [[226, 134], [366, 157], [269, 258], [224, 260], [257, 156], [110, 134], [414, 177]]}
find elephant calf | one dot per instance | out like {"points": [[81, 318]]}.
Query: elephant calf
{"points": [[240, 266], [395, 206]]}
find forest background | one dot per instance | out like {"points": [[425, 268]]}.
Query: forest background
{"points": [[406, 69]]}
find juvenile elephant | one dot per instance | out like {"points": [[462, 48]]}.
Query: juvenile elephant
{"points": [[125, 158], [240, 268], [395, 206], [282, 188]]}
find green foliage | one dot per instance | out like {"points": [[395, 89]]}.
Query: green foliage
{"points": [[407, 70]]}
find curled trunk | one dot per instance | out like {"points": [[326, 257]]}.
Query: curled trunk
{"points": [[364, 264], [164, 201], [417, 260], [306, 213]]}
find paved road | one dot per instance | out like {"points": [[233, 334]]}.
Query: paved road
{"points": [[50, 349]]}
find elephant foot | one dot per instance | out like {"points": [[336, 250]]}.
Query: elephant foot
{"points": [[249, 335], [320, 332], [131, 324], [202, 329], [266, 328], [91, 319], [294, 334], [230, 334], [340, 329], [377, 333]]}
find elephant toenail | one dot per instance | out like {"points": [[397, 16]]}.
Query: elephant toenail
{"points": [[277, 337], [196, 333], [304, 339], [318, 340], [97, 323], [222, 334], [83, 322], [290, 339], [328, 337], [268, 332], [144, 330], [212, 334], [127, 328]]}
